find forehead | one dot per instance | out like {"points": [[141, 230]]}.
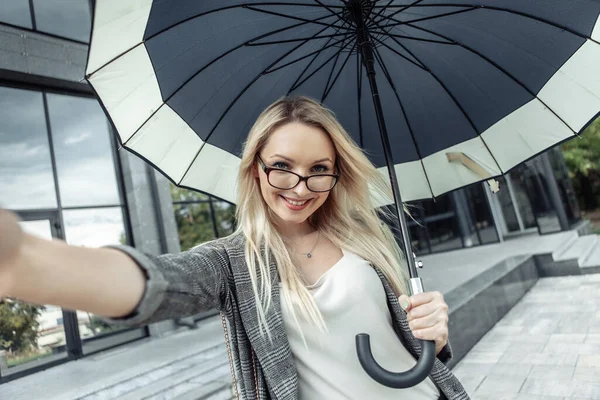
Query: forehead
{"points": [[300, 142]]}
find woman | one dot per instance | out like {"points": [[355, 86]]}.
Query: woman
{"points": [[309, 266]]}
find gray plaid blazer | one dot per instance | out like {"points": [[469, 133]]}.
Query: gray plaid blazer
{"points": [[215, 275]]}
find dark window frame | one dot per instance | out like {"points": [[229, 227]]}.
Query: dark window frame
{"points": [[35, 29], [77, 347]]}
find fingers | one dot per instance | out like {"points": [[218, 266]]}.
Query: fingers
{"points": [[435, 333]]}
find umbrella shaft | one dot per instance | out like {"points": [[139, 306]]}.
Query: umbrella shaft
{"points": [[366, 48]]}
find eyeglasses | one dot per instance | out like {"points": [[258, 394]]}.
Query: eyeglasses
{"points": [[285, 180]]}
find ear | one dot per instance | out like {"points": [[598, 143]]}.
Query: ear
{"points": [[255, 170]]}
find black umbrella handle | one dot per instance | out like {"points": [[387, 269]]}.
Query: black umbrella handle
{"points": [[396, 380]]}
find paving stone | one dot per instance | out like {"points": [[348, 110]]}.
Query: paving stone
{"points": [[589, 360], [496, 384], [551, 372], [483, 357], [568, 338], [511, 370], [592, 338], [546, 358], [586, 390], [587, 374], [547, 387]]}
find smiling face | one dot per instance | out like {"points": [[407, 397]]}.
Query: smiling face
{"points": [[305, 150]]}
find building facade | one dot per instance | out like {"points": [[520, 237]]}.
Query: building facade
{"points": [[62, 172]]}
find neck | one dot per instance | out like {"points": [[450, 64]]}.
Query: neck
{"points": [[295, 231]]}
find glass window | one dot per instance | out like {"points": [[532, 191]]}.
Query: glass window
{"points": [[31, 332], [84, 156], [194, 224], [94, 227], [481, 214], [66, 18], [225, 217], [26, 175], [16, 12]]}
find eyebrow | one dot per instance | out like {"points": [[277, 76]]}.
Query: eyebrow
{"points": [[290, 160]]}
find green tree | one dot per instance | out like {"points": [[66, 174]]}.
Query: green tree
{"points": [[194, 219], [582, 156], [18, 325]]}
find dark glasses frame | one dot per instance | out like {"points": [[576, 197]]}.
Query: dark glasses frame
{"points": [[301, 178]]}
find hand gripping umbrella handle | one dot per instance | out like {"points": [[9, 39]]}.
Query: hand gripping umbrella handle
{"points": [[396, 380]]}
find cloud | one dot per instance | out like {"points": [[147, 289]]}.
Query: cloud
{"points": [[71, 140]]}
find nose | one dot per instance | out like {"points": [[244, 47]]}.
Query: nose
{"points": [[301, 190]]}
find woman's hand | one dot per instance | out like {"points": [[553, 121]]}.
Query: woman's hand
{"points": [[11, 241], [427, 315]]}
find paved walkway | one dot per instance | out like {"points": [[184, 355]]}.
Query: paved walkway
{"points": [[546, 348]]}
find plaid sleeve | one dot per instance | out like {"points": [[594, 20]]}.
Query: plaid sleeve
{"points": [[179, 285]]}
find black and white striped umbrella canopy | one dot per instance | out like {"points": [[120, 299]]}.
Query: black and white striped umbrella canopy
{"points": [[469, 89]]}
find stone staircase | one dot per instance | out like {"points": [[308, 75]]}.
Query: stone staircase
{"points": [[580, 251], [202, 376]]}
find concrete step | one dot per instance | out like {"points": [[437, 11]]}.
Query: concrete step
{"points": [[593, 258], [161, 379], [580, 249], [200, 387], [565, 245], [215, 390]]}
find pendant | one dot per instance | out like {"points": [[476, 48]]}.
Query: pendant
{"points": [[309, 255]]}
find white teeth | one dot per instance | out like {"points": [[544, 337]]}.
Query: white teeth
{"points": [[296, 203]]}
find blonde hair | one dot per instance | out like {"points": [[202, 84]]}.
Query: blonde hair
{"points": [[348, 218]]}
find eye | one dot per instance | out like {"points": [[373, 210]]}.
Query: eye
{"points": [[320, 169], [280, 165]]}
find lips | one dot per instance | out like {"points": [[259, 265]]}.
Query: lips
{"points": [[295, 204]]}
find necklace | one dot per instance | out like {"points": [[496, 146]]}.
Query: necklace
{"points": [[309, 254]]}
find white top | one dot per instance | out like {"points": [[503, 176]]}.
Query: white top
{"points": [[352, 300]]}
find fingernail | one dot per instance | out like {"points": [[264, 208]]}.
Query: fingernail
{"points": [[404, 304]]}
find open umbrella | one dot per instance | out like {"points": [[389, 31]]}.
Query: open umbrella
{"points": [[460, 91]]}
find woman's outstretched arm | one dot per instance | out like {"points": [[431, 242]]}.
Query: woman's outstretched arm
{"points": [[111, 282]]}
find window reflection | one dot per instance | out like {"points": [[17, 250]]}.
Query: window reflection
{"points": [[94, 227], [82, 146], [225, 217], [67, 18], [25, 167], [15, 12], [194, 224]]}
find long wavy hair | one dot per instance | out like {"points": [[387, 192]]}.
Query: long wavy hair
{"points": [[348, 218]]}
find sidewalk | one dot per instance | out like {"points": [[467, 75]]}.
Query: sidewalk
{"points": [[546, 348]]}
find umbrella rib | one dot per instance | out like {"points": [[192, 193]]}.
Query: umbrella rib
{"points": [[400, 54], [412, 134], [328, 7], [359, 86], [409, 37], [211, 63], [316, 53], [523, 14], [257, 77], [328, 90], [298, 84], [383, 8], [297, 18], [308, 55], [330, 75], [228, 8], [262, 36], [297, 40], [500, 68], [390, 17], [454, 99]]}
